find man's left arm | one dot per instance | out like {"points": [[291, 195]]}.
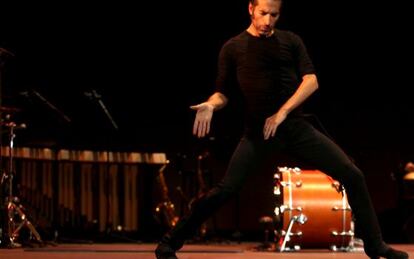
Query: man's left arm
{"points": [[306, 88]]}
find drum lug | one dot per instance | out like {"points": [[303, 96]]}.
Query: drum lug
{"points": [[343, 233], [296, 170], [284, 184], [334, 248], [283, 169], [276, 189], [349, 248], [336, 185], [297, 184], [294, 248], [336, 208], [291, 234], [277, 211], [284, 208]]}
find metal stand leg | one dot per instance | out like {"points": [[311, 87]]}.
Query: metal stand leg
{"points": [[17, 219], [15, 227], [301, 219]]}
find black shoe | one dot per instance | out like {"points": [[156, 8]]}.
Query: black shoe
{"points": [[165, 251], [388, 253]]}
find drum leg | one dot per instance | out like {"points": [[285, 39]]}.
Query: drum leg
{"points": [[301, 219]]}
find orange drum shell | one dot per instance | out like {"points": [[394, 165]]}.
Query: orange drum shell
{"points": [[317, 197]]}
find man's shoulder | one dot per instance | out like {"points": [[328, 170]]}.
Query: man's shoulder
{"points": [[235, 41], [287, 34], [237, 38]]}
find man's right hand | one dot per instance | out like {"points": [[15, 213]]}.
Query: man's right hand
{"points": [[203, 119]]}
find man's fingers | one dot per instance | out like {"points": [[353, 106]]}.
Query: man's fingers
{"points": [[195, 127], [269, 130], [202, 129], [208, 127], [268, 125], [266, 132], [273, 131], [202, 121]]}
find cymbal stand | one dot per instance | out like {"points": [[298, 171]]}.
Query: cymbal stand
{"points": [[17, 219]]}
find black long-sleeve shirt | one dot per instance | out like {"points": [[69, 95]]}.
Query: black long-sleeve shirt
{"points": [[266, 70]]}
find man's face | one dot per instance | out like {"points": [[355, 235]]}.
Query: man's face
{"points": [[264, 15]]}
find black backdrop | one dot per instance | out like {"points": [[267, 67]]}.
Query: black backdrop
{"points": [[150, 61]]}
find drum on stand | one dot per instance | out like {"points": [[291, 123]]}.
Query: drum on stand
{"points": [[320, 202]]}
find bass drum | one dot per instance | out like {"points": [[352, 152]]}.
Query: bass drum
{"points": [[323, 203]]}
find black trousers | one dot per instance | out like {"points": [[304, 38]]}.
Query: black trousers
{"points": [[298, 138]]}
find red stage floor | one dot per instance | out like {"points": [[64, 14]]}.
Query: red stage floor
{"points": [[145, 251]]}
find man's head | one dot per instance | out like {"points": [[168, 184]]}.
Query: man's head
{"points": [[264, 15], [254, 2]]}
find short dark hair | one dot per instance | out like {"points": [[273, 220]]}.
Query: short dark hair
{"points": [[254, 2]]}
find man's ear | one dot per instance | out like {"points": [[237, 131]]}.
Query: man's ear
{"points": [[250, 9]]}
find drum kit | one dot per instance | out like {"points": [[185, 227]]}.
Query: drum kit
{"points": [[312, 211], [16, 218]]}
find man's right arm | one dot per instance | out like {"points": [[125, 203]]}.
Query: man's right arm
{"points": [[205, 111], [217, 100]]}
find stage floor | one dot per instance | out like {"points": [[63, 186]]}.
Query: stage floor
{"points": [[145, 251]]}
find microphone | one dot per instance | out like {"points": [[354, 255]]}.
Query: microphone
{"points": [[21, 126], [92, 94], [15, 126], [6, 52], [24, 93]]}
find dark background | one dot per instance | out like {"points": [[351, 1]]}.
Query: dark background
{"points": [[149, 61]]}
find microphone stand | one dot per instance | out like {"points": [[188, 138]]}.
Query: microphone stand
{"points": [[4, 54], [93, 95], [51, 106], [96, 97]]}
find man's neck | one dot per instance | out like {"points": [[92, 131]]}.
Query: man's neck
{"points": [[252, 31]]}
